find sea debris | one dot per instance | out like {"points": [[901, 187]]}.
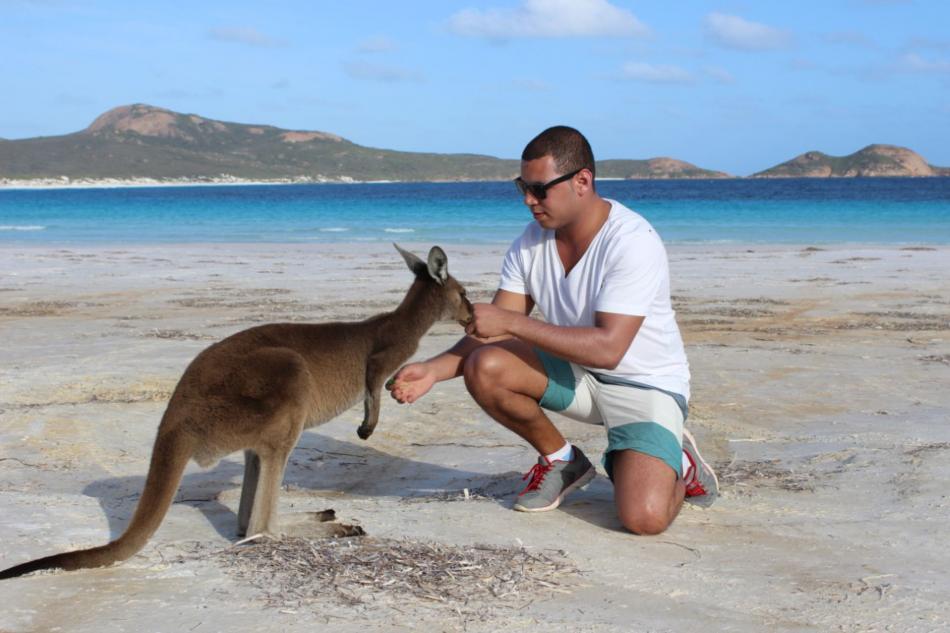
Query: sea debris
{"points": [[295, 572]]}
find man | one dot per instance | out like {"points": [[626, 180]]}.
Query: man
{"points": [[609, 353]]}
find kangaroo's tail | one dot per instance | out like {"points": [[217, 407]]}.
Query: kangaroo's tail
{"points": [[173, 448]]}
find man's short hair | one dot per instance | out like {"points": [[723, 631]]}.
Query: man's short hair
{"points": [[568, 147]]}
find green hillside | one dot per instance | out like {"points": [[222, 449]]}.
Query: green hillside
{"points": [[143, 141], [148, 142], [654, 168]]}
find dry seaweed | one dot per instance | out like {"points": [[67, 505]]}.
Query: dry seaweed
{"points": [[763, 472], [294, 572]]}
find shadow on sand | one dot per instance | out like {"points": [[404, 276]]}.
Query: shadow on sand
{"points": [[595, 505], [318, 463]]}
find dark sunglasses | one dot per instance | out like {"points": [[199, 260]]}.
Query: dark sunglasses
{"points": [[539, 191]]}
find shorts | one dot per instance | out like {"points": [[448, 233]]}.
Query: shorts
{"points": [[637, 417]]}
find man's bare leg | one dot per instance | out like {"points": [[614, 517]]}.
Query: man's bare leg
{"points": [[647, 492], [507, 380]]}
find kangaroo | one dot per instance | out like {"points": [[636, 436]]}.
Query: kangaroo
{"points": [[258, 389]]}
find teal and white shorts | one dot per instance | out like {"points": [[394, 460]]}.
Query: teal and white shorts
{"points": [[637, 417]]}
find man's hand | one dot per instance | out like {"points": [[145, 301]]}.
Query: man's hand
{"points": [[489, 321], [411, 382]]}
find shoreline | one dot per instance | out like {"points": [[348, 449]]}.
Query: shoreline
{"points": [[671, 245], [123, 183]]}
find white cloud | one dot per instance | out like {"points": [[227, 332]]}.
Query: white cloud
{"points": [[914, 63], [926, 42], [721, 75], [655, 73], [379, 44], [549, 18], [850, 38], [379, 72], [242, 35], [732, 31], [909, 63]]}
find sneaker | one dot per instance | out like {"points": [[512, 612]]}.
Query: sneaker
{"points": [[550, 482], [699, 477]]}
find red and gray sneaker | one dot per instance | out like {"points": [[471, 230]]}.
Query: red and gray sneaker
{"points": [[550, 482], [699, 477]]}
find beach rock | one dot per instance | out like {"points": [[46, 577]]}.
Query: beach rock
{"points": [[872, 161]]}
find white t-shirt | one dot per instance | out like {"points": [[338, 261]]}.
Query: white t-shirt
{"points": [[624, 271]]}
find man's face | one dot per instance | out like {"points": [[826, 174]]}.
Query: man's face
{"points": [[559, 205]]}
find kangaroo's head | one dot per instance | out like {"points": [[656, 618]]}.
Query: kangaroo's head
{"points": [[435, 271]]}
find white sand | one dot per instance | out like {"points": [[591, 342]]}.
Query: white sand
{"points": [[65, 182], [819, 389]]}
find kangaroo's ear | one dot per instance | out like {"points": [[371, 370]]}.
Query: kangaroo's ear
{"points": [[416, 265], [438, 265]]}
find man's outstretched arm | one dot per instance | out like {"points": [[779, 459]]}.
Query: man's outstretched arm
{"points": [[414, 380], [602, 346]]}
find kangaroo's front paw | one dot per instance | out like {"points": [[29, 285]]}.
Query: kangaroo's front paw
{"points": [[340, 530], [365, 431]]}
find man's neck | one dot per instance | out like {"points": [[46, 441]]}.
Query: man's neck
{"points": [[580, 232]]}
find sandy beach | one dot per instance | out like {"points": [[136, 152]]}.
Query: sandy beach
{"points": [[819, 391], [211, 181]]}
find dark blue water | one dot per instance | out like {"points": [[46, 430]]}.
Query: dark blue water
{"points": [[865, 210]]}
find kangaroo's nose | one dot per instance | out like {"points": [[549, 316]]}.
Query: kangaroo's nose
{"points": [[470, 310]]}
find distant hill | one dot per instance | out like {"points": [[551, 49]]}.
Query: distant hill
{"points": [[148, 144], [654, 168], [873, 160], [141, 141]]}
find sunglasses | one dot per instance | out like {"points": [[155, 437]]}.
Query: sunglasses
{"points": [[538, 190]]}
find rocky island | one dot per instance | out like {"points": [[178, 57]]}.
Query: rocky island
{"points": [[871, 161]]}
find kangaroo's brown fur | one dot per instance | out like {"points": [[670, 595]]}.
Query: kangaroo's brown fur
{"points": [[258, 389]]}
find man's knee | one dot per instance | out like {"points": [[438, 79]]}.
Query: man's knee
{"points": [[484, 369], [644, 490], [645, 518]]}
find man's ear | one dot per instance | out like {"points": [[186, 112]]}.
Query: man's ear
{"points": [[438, 265], [584, 181]]}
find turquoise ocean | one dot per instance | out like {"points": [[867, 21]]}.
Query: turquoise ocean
{"points": [[793, 211]]}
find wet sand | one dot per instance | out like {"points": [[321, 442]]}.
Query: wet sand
{"points": [[819, 391]]}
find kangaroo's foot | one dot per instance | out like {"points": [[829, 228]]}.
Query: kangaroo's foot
{"points": [[316, 525], [252, 472]]}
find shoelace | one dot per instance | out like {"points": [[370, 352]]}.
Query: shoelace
{"points": [[693, 487], [537, 473]]}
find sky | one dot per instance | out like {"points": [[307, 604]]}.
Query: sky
{"points": [[728, 85]]}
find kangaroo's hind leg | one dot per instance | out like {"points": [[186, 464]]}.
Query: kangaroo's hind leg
{"points": [[252, 471], [281, 382], [266, 467], [263, 515], [276, 381]]}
